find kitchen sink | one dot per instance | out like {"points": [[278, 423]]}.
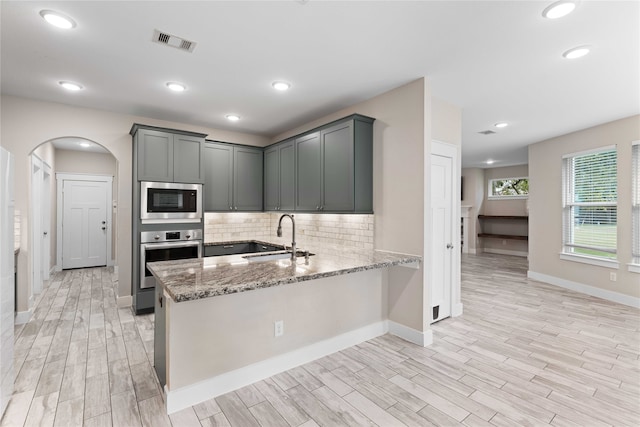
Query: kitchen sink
{"points": [[273, 256]]}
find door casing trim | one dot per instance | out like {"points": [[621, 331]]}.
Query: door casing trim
{"points": [[60, 178]]}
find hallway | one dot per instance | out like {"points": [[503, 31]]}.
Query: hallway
{"points": [[523, 353]]}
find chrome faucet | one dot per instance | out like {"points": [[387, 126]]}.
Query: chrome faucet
{"points": [[293, 235]]}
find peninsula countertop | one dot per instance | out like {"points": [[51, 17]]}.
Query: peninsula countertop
{"points": [[197, 278]]}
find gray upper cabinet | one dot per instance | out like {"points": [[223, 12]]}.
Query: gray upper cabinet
{"points": [[279, 177], [337, 168], [247, 178], [218, 177], [233, 177], [155, 155], [188, 161], [308, 175], [334, 167], [165, 155]]}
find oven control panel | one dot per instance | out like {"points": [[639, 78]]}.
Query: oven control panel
{"points": [[170, 236]]}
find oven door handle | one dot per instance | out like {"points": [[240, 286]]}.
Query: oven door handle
{"points": [[152, 246]]}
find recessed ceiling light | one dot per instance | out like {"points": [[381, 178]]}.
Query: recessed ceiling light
{"points": [[176, 87], [232, 117], [281, 85], [85, 144], [490, 162], [501, 125], [70, 85], [57, 19], [577, 52], [559, 9]]}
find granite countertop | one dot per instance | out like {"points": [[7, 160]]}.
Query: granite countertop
{"points": [[196, 278]]}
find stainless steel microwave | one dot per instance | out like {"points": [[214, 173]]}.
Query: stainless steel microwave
{"points": [[170, 202]]}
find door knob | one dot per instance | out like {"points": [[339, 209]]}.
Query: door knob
{"points": [[449, 246], [104, 228], [45, 233], [104, 222]]}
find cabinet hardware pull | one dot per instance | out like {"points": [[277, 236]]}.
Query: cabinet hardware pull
{"points": [[160, 301], [227, 246]]}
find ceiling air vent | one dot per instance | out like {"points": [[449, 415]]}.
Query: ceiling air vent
{"points": [[173, 41], [487, 132]]}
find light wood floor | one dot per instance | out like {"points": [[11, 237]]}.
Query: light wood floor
{"points": [[523, 353]]}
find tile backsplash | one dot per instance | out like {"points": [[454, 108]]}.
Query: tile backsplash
{"points": [[312, 230], [225, 227]]}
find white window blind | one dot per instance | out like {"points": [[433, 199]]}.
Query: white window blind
{"points": [[590, 204], [635, 162]]}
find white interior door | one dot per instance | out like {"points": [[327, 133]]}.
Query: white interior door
{"points": [[84, 224], [441, 235], [36, 224], [45, 227]]}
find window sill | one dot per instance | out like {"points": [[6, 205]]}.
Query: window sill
{"points": [[600, 262], [507, 197], [634, 268]]}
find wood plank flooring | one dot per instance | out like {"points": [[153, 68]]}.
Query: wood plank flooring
{"points": [[524, 353]]}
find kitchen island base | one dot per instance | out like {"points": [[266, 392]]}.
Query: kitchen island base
{"points": [[216, 345]]}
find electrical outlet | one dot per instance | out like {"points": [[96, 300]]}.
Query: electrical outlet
{"points": [[613, 277], [504, 242], [278, 328]]}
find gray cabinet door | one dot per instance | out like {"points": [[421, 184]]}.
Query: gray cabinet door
{"points": [[218, 183], [159, 336], [188, 161], [308, 178], [287, 176], [272, 178], [155, 155], [337, 168], [247, 179]]}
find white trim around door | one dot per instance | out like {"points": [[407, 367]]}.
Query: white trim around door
{"points": [[60, 178]]}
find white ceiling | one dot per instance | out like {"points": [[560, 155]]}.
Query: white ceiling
{"points": [[73, 144], [498, 61]]}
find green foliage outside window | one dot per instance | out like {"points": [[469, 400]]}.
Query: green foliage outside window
{"points": [[509, 187]]}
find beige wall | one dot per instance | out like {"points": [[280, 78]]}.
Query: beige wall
{"points": [[245, 332], [27, 123], [83, 162], [407, 119], [402, 120], [504, 207], [545, 206], [474, 194]]}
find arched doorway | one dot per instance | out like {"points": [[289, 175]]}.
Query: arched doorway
{"points": [[53, 163]]}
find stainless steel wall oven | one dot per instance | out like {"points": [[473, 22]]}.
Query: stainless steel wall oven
{"points": [[166, 246]]}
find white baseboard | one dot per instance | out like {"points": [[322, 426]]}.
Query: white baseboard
{"points": [[585, 289], [456, 309], [505, 252], [422, 339], [471, 251], [22, 317], [176, 400], [125, 301]]}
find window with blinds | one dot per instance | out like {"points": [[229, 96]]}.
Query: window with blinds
{"points": [[590, 203], [635, 217]]}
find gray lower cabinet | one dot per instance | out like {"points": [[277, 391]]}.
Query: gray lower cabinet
{"points": [[233, 177], [165, 156], [159, 336], [334, 167], [279, 177]]}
